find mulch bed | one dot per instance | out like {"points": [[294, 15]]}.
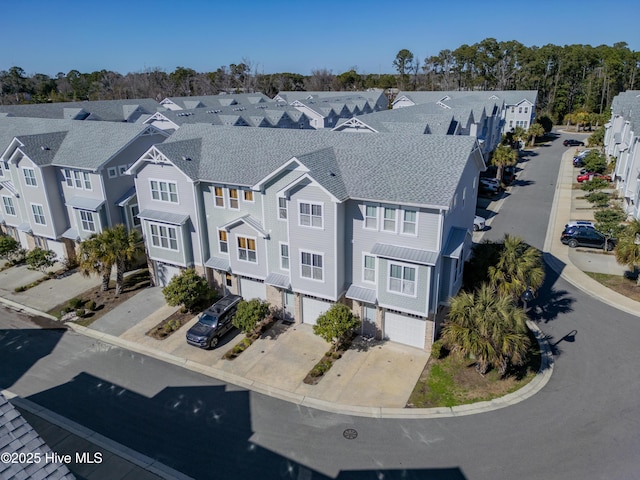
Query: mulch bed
{"points": [[169, 325]]}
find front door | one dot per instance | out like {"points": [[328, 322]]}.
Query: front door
{"points": [[369, 320], [288, 309]]}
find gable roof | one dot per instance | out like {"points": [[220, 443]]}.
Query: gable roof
{"points": [[384, 167], [105, 110], [70, 143]]}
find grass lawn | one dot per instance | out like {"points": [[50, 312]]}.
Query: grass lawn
{"points": [[453, 380], [619, 283], [108, 300]]}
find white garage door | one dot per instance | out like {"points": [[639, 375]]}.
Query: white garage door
{"points": [[404, 329], [312, 308], [165, 272], [252, 289], [58, 248]]}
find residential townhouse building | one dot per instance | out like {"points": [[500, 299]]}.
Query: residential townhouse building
{"points": [[325, 109], [214, 101], [518, 107], [622, 142], [306, 219], [479, 119], [61, 180]]}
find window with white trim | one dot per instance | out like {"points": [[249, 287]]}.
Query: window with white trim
{"points": [[284, 256], [233, 198], [311, 215], [41, 242], [389, 220], [409, 222], [371, 217], [112, 172], [30, 177], [218, 195], [402, 279], [369, 269], [164, 191], [223, 243], [77, 179], [38, 214], [311, 265], [135, 210], [164, 236], [66, 173], [88, 224], [87, 180], [247, 249], [9, 207], [122, 169], [248, 195], [282, 208]]}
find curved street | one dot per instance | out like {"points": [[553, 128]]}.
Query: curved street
{"points": [[584, 424]]}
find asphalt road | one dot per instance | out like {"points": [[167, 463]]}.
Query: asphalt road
{"points": [[585, 424]]}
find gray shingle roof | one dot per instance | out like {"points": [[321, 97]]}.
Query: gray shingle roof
{"points": [[213, 101], [17, 436], [384, 167], [510, 97], [105, 110], [85, 145]]}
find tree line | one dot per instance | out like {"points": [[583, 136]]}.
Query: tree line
{"points": [[569, 78]]}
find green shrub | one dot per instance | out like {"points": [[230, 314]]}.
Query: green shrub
{"points": [[599, 199], [595, 184], [8, 246], [40, 259], [437, 349], [336, 324], [91, 306], [20, 289], [76, 303], [80, 312], [189, 290], [321, 368], [249, 314]]}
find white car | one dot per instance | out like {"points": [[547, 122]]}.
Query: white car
{"points": [[479, 224]]}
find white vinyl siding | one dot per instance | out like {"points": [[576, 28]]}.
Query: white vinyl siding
{"points": [[164, 236], [310, 215], [38, 214], [9, 207], [164, 191], [29, 177], [311, 266], [402, 279]]}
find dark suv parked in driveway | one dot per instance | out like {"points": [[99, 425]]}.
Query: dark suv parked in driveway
{"points": [[583, 236], [214, 322]]}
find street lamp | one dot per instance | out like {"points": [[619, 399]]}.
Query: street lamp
{"points": [[527, 296]]}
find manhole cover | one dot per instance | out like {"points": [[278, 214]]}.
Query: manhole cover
{"points": [[350, 434]]}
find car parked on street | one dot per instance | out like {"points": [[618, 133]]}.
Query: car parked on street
{"points": [[571, 142], [585, 177], [479, 224], [214, 322], [583, 236]]}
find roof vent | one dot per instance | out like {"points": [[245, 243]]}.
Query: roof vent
{"points": [[331, 174], [44, 148], [186, 159]]}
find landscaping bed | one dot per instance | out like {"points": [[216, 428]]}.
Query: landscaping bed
{"points": [[170, 324], [104, 301], [622, 284], [334, 354], [262, 327], [454, 380]]}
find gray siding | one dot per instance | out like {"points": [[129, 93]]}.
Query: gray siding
{"points": [[416, 305], [313, 240], [186, 206], [183, 256], [246, 268]]}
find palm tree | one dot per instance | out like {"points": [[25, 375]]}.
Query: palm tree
{"points": [[94, 258], [535, 130], [487, 326], [503, 156], [628, 247], [519, 267], [123, 246]]}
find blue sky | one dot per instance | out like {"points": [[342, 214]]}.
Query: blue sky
{"points": [[287, 36]]}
